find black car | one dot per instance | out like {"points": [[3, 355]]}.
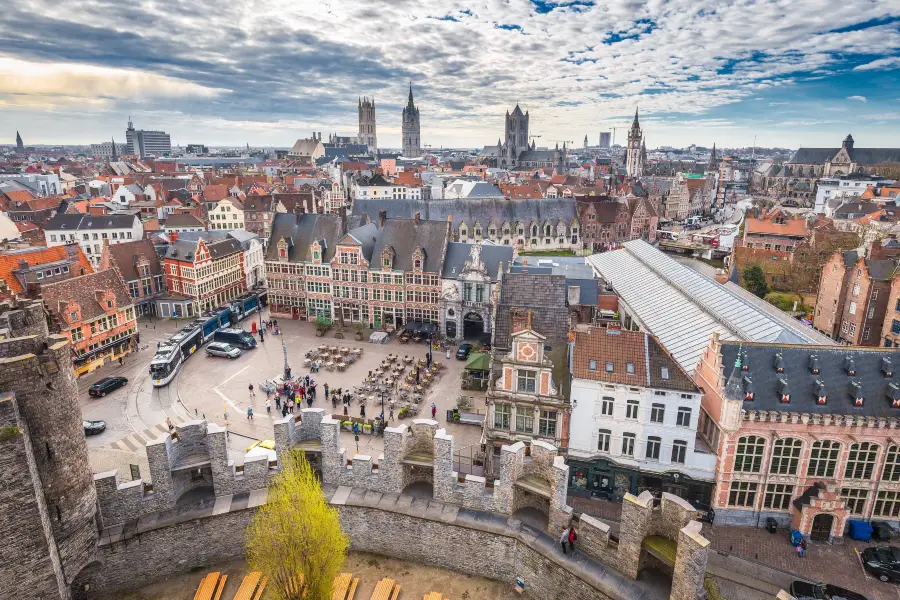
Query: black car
{"points": [[883, 562], [705, 512], [93, 427], [462, 353], [106, 385], [803, 590]]}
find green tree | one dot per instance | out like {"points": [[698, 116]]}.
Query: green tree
{"points": [[295, 539], [755, 280]]}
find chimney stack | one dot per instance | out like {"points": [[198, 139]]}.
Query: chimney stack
{"points": [[417, 217], [382, 215], [173, 237]]}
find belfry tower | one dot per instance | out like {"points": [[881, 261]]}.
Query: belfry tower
{"points": [[634, 153], [412, 141], [367, 133]]}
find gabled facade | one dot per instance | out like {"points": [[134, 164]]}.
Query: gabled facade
{"points": [[138, 265], [208, 273], [227, 215], [470, 288]]}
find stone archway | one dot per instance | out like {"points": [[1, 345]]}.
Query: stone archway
{"points": [[473, 326], [533, 516], [420, 489], [83, 584]]}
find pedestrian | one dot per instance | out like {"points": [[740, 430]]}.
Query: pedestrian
{"points": [[249, 413], [277, 401], [326, 392], [391, 413], [362, 411], [802, 548], [306, 380], [262, 336], [356, 428], [564, 539], [417, 375], [291, 405], [433, 410], [346, 408], [573, 535], [121, 361], [284, 410], [252, 395], [275, 323], [334, 401], [312, 388], [288, 371], [169, 423], [309, 401], [268, 406], [301, 391]]}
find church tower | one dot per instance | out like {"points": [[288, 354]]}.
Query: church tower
{"points": [[634, 154], [516, 134], [367, 133], [412, 143], [20, 146], [713, 165]]}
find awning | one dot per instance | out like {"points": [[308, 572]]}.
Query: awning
{"points": [[478, 362]]}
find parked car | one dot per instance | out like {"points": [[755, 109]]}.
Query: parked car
{"points": [[106, 385], [223, 349], [235, 337], [803, 590], [882, 531], [883, 562], [705, 512], [267, 444], [93, 427], [462, 353]]}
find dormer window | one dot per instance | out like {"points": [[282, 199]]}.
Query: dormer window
{"points": [[856, 393], [850, 366], [784, 391], [779, 363], [609, 366], [893, 393], [821, 396], [814, 364], [417, 265], [886, 367], [629, 368], [748, 388]]}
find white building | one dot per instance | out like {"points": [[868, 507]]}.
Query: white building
{"points": [[380, 188], [91, 232], [228, 214], [106, 150], [831, 192], [634, 419], [41, 184], [144, 143]]}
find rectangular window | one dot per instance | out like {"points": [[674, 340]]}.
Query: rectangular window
{"points": [[887, 504], [657, 413], [855, 499], [603, 440], [607, 404], [679, 451], [610, 365], [592, 365], [852, 310], [742, 494], [684, 417], [501, 416], [524, 419], [629, 368], [653, 444], [631, 409], [628, 444], [778, 496], [547, 423], [527, 381]]}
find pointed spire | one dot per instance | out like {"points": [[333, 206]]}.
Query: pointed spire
{"points": [[734, 389], [635, 124], [713, 160], [114, 155], [410, 94]]}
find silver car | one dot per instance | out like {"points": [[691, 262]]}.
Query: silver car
{"points": [[223, 349]]}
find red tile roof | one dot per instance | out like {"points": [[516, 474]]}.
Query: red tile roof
{"points": [[9, 261]]}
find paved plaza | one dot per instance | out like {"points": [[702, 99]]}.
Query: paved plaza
{"points": [[217, 389]]}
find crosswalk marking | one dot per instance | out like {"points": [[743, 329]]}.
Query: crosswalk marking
{"points": [[136, 441]]}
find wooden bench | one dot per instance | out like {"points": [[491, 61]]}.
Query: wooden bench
{"points": [[386, 589], [262, 586], [434, 596], [221, 587], [248, 586], [208, 586]]}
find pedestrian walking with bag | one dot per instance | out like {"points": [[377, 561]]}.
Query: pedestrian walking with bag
{"points": [[564, 539]]}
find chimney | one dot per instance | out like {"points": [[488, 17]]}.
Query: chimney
{"points": [[574, 295], [173, 237], [417, 217], [382, 215], [72, 251]]}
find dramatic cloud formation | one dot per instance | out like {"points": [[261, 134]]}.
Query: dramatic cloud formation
{"points": [[268, 71]]}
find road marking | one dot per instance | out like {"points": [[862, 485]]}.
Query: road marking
{"points": [[240, 411], [235, 375]]}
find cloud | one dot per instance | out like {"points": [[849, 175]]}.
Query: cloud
{"points": [[891, 62], [858, 98]]}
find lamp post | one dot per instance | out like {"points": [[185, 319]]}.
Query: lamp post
{"points": [[287, 369]]}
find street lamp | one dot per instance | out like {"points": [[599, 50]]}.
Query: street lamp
{"points": [[287, 369]]}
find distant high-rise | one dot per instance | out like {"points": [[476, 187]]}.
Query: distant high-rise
{"points": [[20, 146], [367, 135], [412, 142], [635, 152], [146, 143], [604, 139]]}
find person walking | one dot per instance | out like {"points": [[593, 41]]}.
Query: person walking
{"points": [[573, 535], [309, 400], [262, 335], [391, 413], [252, 395], [346, 410], [362, 411], [306, 380], [277, 401], [284, 410], [326, 392], [312, 388], [801, 548], [564, 539], [268, 406], [433, 410], [249, 413]]}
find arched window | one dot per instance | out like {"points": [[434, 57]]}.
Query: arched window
{"points": [[861, 461], [786, 456], [823, 458], [892, 464], [534, 231], [748, 458]]}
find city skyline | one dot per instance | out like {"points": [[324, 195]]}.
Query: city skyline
{"points": [[805, 75]]}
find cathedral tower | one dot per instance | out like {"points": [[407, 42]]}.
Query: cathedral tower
{"points": [[367, 133], [634, 154], [412, 142], [20, 146], [516, 134]]}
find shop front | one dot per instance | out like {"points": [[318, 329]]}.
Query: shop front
{"points": [[606, 479]]}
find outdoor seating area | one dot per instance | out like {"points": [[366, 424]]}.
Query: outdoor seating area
{"points": [[212, 586], [387, 589], [401, 381], [417, 332], [331, 358], [344, 587]]}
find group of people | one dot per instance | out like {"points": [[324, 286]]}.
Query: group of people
{"points": [[567, 539], [295, 394]]}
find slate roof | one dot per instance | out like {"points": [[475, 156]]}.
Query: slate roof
{"points": [[300, 231], [367, 236], [186, 249], [537, 155], [254, 203], [469, 211], [494, 258], [84, 290], [802, 383], [74, 222], [406, 235], [182, 220], [376, 180], [588, 290], [813, 156], [881, 269], [544, 295], [621, 347], [862, 156], [125, 256]]}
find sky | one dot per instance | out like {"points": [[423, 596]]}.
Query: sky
{"points": [[265, 72]]}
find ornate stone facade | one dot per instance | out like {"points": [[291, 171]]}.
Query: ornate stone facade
{"points": [[412, 140], [367, 134], [469, 290], [635, 151]]}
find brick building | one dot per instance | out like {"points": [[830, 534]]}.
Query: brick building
{"points": [[524, 403], [534, 301], [206, 273], [605, 222], [96, 314], [803, 434], [853, 297], [137, 263], [25, 270], [774, 231]]}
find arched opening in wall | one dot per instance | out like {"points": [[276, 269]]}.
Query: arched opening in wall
{"points": [[420, 489], [531, 501], [84, 584], [533, 516], [821, 527], [473, 326], [657, 561], [451, 328]]}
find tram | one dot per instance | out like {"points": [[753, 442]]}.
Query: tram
{"points": [[174, 351]]}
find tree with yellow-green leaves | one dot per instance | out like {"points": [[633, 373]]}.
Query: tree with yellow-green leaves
{"points": [[295, 539]]}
